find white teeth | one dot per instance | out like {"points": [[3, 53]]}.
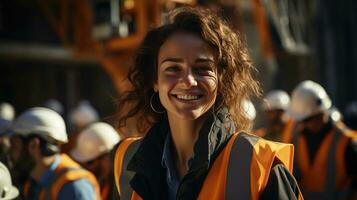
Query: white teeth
{"points": [[187, 97]]}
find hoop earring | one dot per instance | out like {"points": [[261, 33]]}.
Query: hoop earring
{"points": [[152, 107]]}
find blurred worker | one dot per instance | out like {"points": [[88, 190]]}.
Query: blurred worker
{"points": [[7, 190], [83, 115], [326, 159], [7, 114], [278, 127], [35, 150], [55, 105], [80, 117], [93, 152]]}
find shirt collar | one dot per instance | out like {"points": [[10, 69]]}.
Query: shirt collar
{"points": [[215, 131], [167, 160], [46, 177]]}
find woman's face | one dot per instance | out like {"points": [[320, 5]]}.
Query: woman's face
{"points": [[187, 76]]}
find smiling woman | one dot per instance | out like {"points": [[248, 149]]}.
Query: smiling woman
{"points": [[190, 79]]}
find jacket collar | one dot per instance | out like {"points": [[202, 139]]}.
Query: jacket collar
{"points": [[146, 161]]}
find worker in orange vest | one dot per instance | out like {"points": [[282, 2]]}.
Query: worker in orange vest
{"points": [[35, 151], [190, 80], [325, 156], [93, 152], [278, 126]]}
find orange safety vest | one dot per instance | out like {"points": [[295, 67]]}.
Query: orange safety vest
{"points": [[245, 156], [326, 176], [67, 171]]}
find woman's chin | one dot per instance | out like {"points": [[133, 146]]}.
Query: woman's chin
{"points": [[188, 114]]}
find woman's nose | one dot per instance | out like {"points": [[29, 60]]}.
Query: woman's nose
{"points": [[188, 80]]}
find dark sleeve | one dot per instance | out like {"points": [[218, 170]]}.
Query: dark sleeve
{"points": [[281, 185], [114, 192], [351, 162]]}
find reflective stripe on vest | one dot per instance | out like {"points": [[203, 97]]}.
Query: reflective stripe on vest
{"points": [[240, 171], [326, 176], [67, 171], [122, 157]]}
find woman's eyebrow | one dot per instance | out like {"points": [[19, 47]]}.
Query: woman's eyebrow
{"points": [[178, 60], [199, 60], [181, 60]]}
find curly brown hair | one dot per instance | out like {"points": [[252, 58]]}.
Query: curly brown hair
{"points": [[234, 67]]}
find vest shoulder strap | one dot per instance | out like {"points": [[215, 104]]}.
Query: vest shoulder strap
{"points": [[254, 156], [68, 171], [71, 175], [264, 153], [242, 169], [123, 155]]}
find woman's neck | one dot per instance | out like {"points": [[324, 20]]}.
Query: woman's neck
{"points": [[184, 136]]}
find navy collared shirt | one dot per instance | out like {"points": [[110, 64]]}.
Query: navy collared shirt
{"points": [[172, 177]]}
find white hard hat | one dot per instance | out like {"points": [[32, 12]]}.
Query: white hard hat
{"points": [[276, 99], [54, 105], [84, 114], [249, 109], [42, 121], [97, 139], [308, 98], [7, 190], [335, 114], [7, 112]]}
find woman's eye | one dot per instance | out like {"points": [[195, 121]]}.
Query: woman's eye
{"points": [[172, 69], [203, 69]]}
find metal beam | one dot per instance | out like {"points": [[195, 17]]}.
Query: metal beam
{"points": [[43, 53]]}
